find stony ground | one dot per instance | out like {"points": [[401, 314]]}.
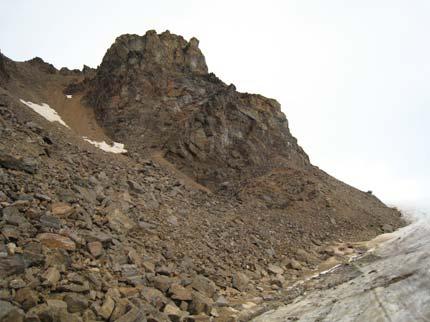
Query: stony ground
{"points": [[90, 236]]}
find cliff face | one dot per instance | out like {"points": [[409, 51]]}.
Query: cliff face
{"points": [[154, 91], [4, 76]]}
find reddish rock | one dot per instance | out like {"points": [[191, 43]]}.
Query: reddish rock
{"points": [[61, 209], [178, 292], [56, 241]]}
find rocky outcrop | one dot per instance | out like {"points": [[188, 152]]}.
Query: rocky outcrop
{"points": [[42, 65], [154, 91], [4, 76]]}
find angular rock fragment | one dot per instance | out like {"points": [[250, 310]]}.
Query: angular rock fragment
{"points": [[106, 309], [204, 285], [119, 222], [27, 298], [178, 292], [11, 265], [95, 248], [10, 313], [61, 209], [28, 165], [200, 304], [76, 302], [240, 281], [56, 241]]}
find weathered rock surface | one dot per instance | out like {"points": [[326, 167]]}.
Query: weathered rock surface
{"points": [[214, 207], [56, 241]]}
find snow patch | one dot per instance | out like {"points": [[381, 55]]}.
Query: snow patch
{"points": [[114, 148], [46, 111], [69, 96]]}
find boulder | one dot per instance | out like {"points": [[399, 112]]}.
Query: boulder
{"points": [[204, 285], [61, 209], [75, 302], [10, 313], [178, 292], [200, 304], [8, 161], [106, 309], [51, 276], [174, 313], [56, 241], [240, 281], [133, 315], [95, 248], [120, 222], [11, 265], [154, 297], [162, 283], [274, 269]]}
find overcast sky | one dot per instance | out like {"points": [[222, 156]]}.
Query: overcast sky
{"points": [[352, 76]]}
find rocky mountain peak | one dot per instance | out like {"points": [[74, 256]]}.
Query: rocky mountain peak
{"points": [[155, 92], [165, 51]]}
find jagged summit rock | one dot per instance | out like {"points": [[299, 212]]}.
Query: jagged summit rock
{"points": [[154, 91], [166, 51]]}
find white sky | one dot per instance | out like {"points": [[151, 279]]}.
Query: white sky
{"points": [[352, 76]]}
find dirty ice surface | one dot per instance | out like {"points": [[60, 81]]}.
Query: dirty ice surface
{"points": [[395, 287], [46, 111], [114, 148]]}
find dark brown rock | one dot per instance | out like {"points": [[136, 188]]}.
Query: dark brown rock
{"points": [[162, 283], [11, 265], [27, 298], [76, 302], [200, 304], [134, 315], [26, 164], [155, 297], [10, 313], [204, 285]]}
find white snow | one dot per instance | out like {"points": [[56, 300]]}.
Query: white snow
{"points": [[114, 148], [46, 111], [69, 96]]}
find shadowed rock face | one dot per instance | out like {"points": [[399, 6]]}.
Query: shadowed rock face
{"points": [[4, 76], [154, 91]]}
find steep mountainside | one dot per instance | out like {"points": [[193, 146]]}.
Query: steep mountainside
{"points": [[155, 92], [214, 203]]}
